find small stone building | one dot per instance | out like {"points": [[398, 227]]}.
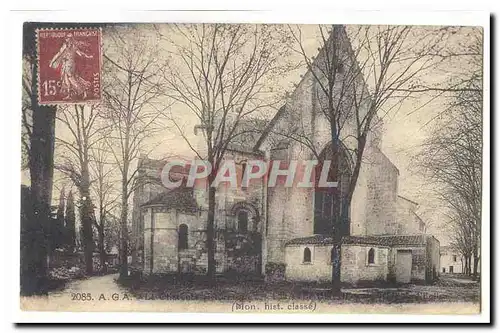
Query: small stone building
{"points": [[401, 258], [451, 260]]}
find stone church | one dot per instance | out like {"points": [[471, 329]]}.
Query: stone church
{"points": [[281, 232]]}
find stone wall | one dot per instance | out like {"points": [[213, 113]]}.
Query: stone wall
{"points": [[161, 228], [433, 259], [382, 186], [318, 270], [147, 175], [408, 222], [354, 269], [418, 262]]}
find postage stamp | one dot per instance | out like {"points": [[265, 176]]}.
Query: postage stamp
{"points": [[69, 66]]}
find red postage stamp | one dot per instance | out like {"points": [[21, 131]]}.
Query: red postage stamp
{"points": [[69, 66]]}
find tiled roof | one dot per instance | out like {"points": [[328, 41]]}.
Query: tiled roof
{"points": [[386, 240], [315, 239], [389, 240], [179, 198]]}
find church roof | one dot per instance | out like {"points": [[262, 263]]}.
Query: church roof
{"points": [[247, 134], [180, 198], [315, 239], [267, 129], [390, 240], [385, 240]]}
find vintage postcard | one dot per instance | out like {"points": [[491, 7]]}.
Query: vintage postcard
{"points": [[250, 168]]}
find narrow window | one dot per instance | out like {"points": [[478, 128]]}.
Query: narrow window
{"points": [[371, 256], [340, 68], [454, 258], [307, 255], [242, 221], [183, 237], [243, 170]]}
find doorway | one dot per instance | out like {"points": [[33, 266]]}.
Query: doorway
{"points": [[403, 266]]}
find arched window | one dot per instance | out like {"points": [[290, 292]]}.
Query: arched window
{"points": [[371, 256], [307, 255], [183, 237], [242, 221]]}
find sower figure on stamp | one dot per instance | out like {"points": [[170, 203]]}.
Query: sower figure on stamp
{"points": [[65, 61]]}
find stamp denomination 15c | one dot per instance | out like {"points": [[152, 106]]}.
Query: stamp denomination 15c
{"points": [[69, 66]]}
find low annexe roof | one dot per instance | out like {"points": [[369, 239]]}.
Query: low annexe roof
{"points": [[179, 198], [385, 240]]}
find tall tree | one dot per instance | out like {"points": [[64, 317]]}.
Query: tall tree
{"points": [[58, 231], [451, 157], [222, 75], [39, 126], [358, 77], [70, 223], [84, 130], [134, 105], [104, 192]]}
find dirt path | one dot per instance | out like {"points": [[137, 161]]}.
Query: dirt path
{"points": [[103, 287]]}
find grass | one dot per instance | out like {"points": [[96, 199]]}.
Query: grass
{"points": [[171, 287]]}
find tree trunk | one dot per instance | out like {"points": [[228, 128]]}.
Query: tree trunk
{"points": [[124, 233], [88, 242], [102, 250], [86, 218], [476, 266], [211, 233], [41, 163], [476, 260], [337, 211]]}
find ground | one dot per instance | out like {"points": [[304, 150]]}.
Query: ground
{"points": [[451, 295], [97, 285], [448, 289]]}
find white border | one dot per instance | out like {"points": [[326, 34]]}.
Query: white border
{"points": [[11, 166]]}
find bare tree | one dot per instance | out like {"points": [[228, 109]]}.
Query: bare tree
{"points": [[85, 130], [359, 76], [451, 158], [69, 223], [105, 194], [222, 75], [134, 106]]}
